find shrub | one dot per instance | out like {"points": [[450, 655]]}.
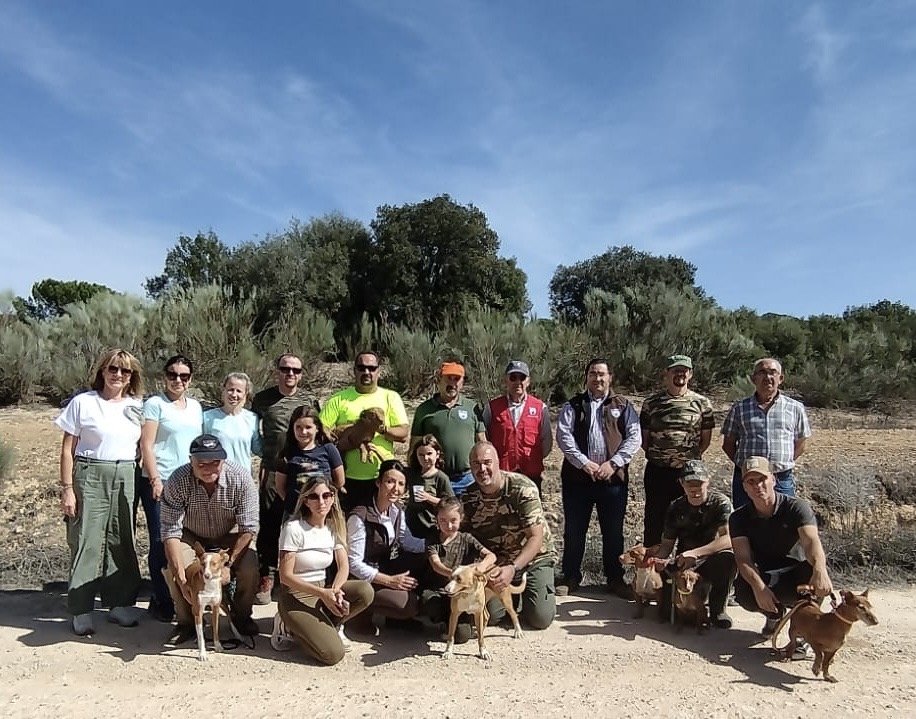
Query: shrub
{"points": [[7, 460], [412, 359], [23, 354], [308, 334]]}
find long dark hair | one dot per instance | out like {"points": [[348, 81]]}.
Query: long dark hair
{"points": [[291, 446], [427, 440]]}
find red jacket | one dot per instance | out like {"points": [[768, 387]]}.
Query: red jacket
{"points": [[519, 447]]}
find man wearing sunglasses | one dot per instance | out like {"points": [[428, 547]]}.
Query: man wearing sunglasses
{"points": [[345, 407], [274, 406]]}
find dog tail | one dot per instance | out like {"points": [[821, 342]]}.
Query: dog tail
{"points": [[782, 622], [521, 587]]}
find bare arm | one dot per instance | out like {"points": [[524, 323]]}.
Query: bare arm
{"points": [[730, 446], [67, 495], [148, 456], [705, 441], [721, 543], [438, 567], [744, 558], [397, 433], [799, 448], [280, 479], [814, 553]]}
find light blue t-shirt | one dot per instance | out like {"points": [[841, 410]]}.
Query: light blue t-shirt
{"points": [[238, 434], [177, 429]]}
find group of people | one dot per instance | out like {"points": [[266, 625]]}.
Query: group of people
{"points": [[343, 537]]}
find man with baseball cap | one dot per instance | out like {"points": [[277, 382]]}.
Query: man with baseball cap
{"points": [[518, 425], [215, 503], [453, 421], [697, 524], [776, 544], [677, 426]]}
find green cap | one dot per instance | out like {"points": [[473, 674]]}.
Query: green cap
{"points": [[695, 471], [679, 361]]}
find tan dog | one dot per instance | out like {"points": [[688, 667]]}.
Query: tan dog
{"points": [[469, 593], [689, 600], [647, 585], [205, 579], [360, 434], [825, 632]]}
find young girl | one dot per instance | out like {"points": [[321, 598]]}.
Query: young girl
{"points": [[307, 453], [449, 550], [427, 486]]}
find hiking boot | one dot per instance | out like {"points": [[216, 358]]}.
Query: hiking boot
{"points": [[161, 613], [722, 620], [344, 639], [803, 650], [180, 634], [83, 625], [619, 588], [125, 616], [564, 586], [246, 626], [263, 595], [770, 626], [463, 633], [280, 639]]}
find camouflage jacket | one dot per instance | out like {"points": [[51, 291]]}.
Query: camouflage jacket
{"points": [[671, 426]]}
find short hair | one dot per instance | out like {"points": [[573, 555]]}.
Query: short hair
{"points": [[378, 360], [284, 356], [242, 377], [391, 464], [178, 359], [448, 504], [598, 360], [759, 363], [119, 358]]}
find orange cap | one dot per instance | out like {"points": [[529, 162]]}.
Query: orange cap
{"points": [[454, 368]]}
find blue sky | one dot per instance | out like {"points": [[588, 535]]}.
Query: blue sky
{"points": [[771, 144]]}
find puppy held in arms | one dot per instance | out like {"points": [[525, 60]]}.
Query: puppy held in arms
{"points": [[205, 581], [469, 593], [824, 631], [361, 433]]}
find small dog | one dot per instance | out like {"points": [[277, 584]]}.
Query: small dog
{"points": [[647, 585], [205, 578], [689, 601], [469, 593], [360, 434], [825, 632]]}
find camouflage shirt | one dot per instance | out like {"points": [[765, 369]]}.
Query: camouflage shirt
{"points": [[693, 527], [499, 521], [671, 426]]}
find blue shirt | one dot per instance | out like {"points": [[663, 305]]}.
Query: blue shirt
{"points": [[238, 433], [177, 429]]}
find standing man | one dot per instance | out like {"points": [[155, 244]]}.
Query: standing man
{"points": [[518, 425], [345, 408], [677, 426], [213, 502], [767, 424], [503, 511], [453, 420], [598, 433], [273, 406]]}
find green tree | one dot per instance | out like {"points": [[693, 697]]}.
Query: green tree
{"points": [[49, 298], [618, 269], [193, 261]]}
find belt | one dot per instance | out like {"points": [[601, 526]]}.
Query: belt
{"points": [[109, 462]]}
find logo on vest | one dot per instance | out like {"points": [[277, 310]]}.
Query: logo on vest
{"points": [[615, 413], [532, 411], [462, 414]]}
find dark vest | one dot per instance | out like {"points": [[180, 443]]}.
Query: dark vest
{"points": [[379, 552], [615, 429]]}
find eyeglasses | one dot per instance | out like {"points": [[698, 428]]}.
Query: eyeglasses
{"points": [[324, 496], [367, 367], [289, 370], [114, 369], [183, 376]]}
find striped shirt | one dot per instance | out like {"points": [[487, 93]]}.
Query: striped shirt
{"points": [[771, 434], [186, 504]]}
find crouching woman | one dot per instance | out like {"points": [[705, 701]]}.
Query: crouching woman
{"points": [[312, 612]]}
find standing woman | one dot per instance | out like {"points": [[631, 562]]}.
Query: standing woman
{"points": [[171, 421], [234, 426], [97, 462]]}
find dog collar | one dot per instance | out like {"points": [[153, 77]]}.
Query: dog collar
{"points": [[682, 592], [842, 618]]}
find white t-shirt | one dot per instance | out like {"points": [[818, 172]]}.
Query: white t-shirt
{"points": [[178, 427], [314, 548], [105, 429]]}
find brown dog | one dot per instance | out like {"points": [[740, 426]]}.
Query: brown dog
{"points": [[469, 593], [689, 600], [205, 580], [647, 585], [825, 632], [361, 433]]}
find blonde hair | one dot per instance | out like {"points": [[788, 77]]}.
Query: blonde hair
{"points": [[335, 519], [241, 376], [124, 359]]}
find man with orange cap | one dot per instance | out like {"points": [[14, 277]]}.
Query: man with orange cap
{"points": [[454, 421]]}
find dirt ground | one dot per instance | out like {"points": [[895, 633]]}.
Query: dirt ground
{"points": [[595, 658]]}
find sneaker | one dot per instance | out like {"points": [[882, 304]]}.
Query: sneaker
{"points": [[722, 620], [82, 625], [280, 639], [263, 595], [803, 650], [620, 588], [344, 639], [125, 616], [770, 626]]}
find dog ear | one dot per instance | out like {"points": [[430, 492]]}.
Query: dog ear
{"points": [[864, 594], [847, 597], [198, 550]]}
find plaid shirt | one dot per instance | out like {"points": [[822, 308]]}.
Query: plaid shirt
{"points": [[769, 434], [186, 504]]}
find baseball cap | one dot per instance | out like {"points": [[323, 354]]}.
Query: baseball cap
{"points": [[518, 366], [679, 361], [207, 447], [756, 465], [452, 368], [695, 471]]}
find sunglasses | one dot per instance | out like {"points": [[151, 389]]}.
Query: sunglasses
{"points": [[114, 369], [183, 376], [516, 377], [367, 367], [289, 370], [324, 496]]}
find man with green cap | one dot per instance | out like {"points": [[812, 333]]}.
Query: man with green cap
{"points": [[677, 426]]}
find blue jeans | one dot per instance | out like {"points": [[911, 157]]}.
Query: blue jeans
{"points": [[156, 558], [461, 482], [785, 484], [580, 496]]}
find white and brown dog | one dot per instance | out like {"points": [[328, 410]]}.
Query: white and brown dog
{"points": [[205, 579], [469, 593]]}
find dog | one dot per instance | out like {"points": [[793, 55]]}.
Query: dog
{"points": [[360, 434], [648, 583], [825, 632], [689, 600], [205, 578], [469, 593]]}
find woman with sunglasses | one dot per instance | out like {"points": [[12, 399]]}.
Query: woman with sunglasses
{"points": [[311, 610], [235, 426], [171, 421], [97, 463]]}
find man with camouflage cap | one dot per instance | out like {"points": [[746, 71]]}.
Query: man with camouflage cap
{"points": [[697, 525], [503, 511], [677, 426]]}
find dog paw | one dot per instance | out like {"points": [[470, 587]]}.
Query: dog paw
{"points": [[202, 658], [217, 647], [830, 678], [447, 654], [485, 655], [519, 634]]}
